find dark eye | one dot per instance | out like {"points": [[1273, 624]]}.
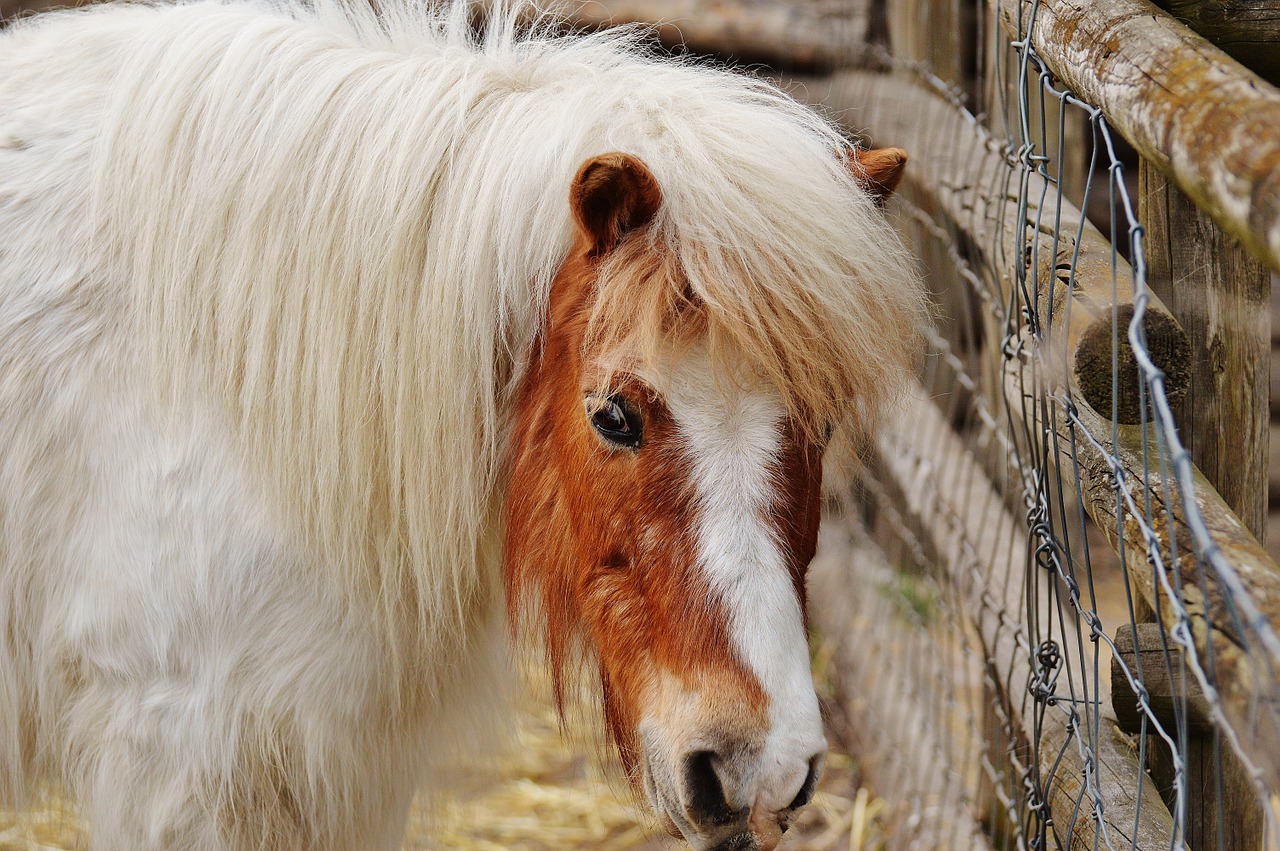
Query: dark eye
{"points": [[614, 420]]}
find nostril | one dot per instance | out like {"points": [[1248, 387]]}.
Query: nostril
{"points": [[704, 792], [805, 795]]}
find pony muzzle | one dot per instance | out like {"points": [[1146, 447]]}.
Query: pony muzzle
{"points": [[724, 797]]}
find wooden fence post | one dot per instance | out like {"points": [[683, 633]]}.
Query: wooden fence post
{"points": [[1232, 822], [1221, 296]]}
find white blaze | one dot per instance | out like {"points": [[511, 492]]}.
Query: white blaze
{"points": [[733, 437]]}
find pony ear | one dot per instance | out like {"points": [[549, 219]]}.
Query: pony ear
{"points": [[612, 195], [879, 171]]}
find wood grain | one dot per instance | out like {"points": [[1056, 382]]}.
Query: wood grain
{"points": [[1221, 296], [1248, 30], [1171, 693], [1199, 116], [810, 34]]}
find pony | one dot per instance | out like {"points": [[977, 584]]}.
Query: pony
{"points": [[345, 348]]}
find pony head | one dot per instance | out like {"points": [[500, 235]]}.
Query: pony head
{"points": [[663, 505]]}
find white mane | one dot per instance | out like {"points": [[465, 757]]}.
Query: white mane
{"points": [[349, 224]]}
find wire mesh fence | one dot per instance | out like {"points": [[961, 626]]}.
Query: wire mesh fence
{"points": [[1067, 639]]}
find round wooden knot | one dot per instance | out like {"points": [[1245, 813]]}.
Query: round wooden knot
{"points": [[1168, 349]]}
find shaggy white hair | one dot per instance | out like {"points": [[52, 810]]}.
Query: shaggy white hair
{"points": [[327, 235], [349, 224]]}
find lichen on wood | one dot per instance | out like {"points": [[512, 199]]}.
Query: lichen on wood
{"points": [[1248, 30], [1202, 118]]}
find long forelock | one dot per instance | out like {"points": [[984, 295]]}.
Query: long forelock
{"points": [[829, 320]]}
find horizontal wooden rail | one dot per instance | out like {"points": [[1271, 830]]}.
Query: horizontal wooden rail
{"points": [[1199, 116], [813, 35]]}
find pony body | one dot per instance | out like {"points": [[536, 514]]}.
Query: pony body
{"points": [[269, 281]]}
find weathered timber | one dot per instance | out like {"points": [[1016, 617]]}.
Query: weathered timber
{"points": [[1223, 810], [1221, 296], [1114, 760], [1171, 691], [811, 34], [1220, 797], [938, 35], [959, 174], [1248, 30], [10, 9], [891, 719], [1199, 116], [988, 564], [1244, 671]]}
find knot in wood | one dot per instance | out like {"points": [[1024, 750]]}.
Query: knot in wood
{"points": [[1167, 347]]}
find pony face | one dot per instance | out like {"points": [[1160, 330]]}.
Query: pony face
{"points": [[665, 510]]}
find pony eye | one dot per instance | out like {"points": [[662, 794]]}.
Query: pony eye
{"points": [[614, 420]]}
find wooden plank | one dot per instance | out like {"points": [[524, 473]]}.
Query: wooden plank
{"points": [[936, 34], [1221, 296], [1144, 651], [1199, 116], [1221, 801], [10, 9], [809, 34], [1248, 30], [1136, 816]]}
